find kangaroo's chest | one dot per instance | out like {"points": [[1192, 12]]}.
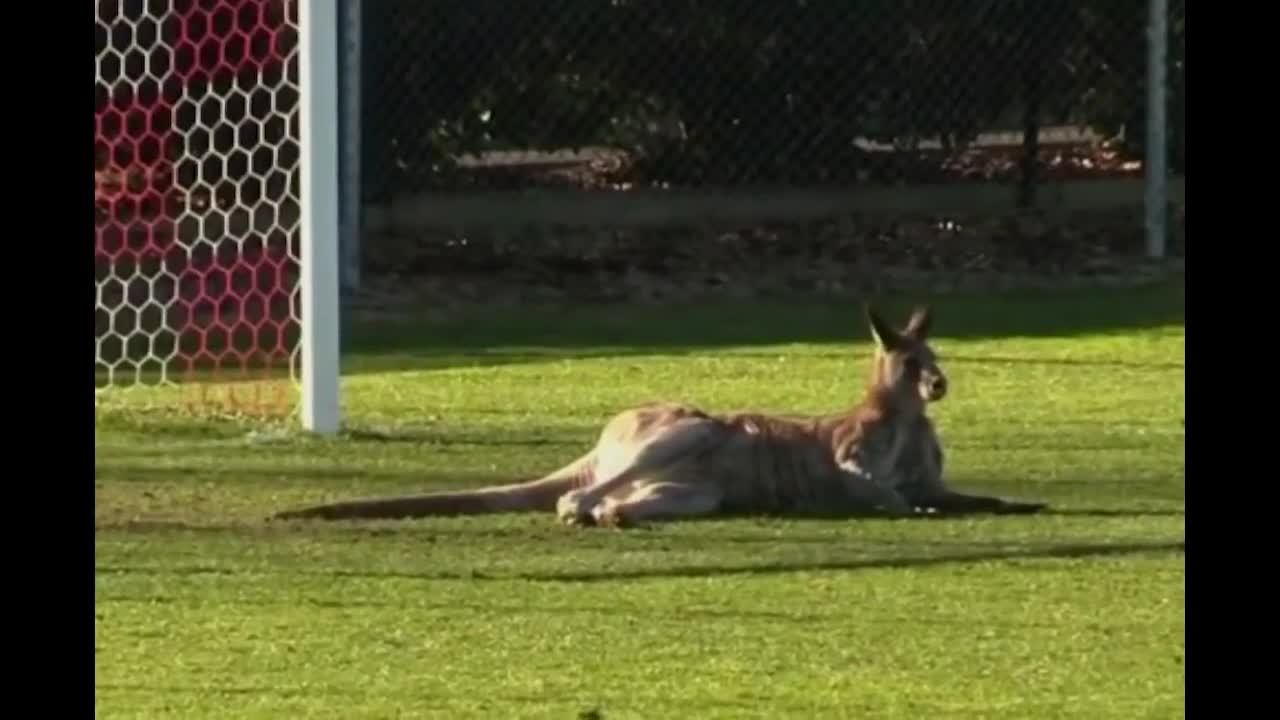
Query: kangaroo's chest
{"points": [[880, 454]]}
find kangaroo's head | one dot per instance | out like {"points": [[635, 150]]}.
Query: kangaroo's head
{"points": [[904, 364]]}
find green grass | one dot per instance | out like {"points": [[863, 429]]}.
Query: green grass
{"points": [[204, 610]]}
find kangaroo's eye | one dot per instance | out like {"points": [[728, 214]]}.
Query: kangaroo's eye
{"points": [[912, 365]]}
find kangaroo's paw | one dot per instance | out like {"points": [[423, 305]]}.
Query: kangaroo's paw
{"points": [[609, 514], [571, 510]]}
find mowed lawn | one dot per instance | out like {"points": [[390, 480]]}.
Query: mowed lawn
{"points": [[206, 610]]}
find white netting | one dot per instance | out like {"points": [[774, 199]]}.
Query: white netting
{"points": [[196, 193]]}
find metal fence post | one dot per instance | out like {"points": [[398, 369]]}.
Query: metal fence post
{"points": [[1157, 186], [349, 200]]}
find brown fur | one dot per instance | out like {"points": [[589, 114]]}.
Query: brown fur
{"points": [[667, 460]]}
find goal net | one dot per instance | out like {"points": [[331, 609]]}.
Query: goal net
{"points": [[198, 204]]}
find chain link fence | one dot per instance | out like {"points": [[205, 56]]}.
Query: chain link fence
{"points": [[538, 143], [726, 94]]}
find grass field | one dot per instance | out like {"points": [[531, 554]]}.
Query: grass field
{"points": [[204, 610]]}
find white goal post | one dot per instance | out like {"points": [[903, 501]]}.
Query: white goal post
{"points": [[320, 202], [217, 204]]}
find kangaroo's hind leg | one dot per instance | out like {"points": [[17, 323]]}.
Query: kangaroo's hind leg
{"points": [[658, 501], [622, 463]]}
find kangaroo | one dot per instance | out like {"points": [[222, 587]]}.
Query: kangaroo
{"points": [[664, 461]]}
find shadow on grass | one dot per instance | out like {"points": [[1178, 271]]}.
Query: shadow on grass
{"points": [[501, 337], [484, 337], [541, 526], [1109, 513], [1057, 552], [1050, 552], [1064, 362], [498, 608], [378, 481]]}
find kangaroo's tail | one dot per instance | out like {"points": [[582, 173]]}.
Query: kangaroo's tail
{"points": [[540, 494]]}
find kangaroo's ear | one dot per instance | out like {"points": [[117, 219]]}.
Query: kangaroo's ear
{"points": [[919, 324], [884, 334]]}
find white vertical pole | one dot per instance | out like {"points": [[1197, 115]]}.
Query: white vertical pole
{"points": [[1157, 186], [318, 74]]}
